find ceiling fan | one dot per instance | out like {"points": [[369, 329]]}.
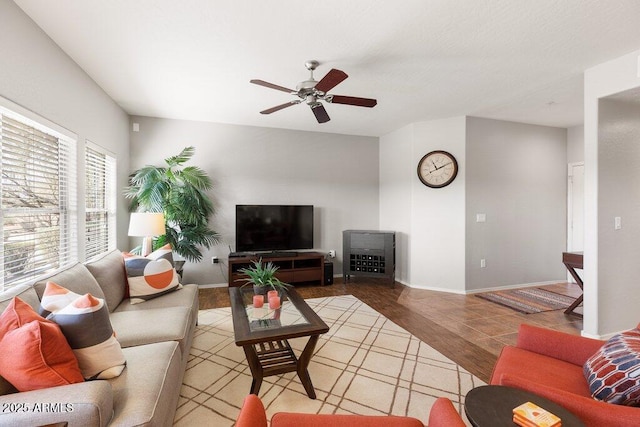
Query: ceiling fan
{"points": [[312, 92]]}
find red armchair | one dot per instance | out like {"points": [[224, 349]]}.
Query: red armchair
{"points": [[252, 414], [549, 364]]}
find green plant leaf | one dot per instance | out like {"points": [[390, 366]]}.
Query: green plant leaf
{"points": [[181, 158], [180, 193]]}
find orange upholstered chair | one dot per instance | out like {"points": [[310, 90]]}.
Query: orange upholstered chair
{"points": [[549, 364], [252, 414]]}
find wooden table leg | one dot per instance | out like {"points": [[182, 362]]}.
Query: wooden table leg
{"points": [[578, 280], [303, 364], [256, 368]]}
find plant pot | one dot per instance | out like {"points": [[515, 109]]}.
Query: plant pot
{"points": [[260, 290]]}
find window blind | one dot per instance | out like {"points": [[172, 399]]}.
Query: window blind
{"points": [[37, 201], [100, 218]]}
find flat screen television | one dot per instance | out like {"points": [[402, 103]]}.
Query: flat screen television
{"points": [[274, 227]]}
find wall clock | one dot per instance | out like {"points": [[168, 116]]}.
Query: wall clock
{"points": [[437, 169]]}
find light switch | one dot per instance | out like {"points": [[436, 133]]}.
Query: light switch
{"points": [[617, 223], [481, 217], [136, 127]]}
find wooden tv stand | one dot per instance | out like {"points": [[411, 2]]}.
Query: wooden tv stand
{"points": [[303, 267]]}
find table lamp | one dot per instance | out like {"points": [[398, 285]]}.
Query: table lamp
{"points": [[147, 225]]}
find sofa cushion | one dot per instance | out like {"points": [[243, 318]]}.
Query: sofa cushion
{"points": [[147, 392], [35, 353], [109, 272], [76, 278], [613, 372], [149, 278], [540, 369], [86, 325], [25, 292], [141, 327], [185, 297]]}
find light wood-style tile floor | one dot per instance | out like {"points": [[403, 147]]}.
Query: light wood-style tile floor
{"points": [[467, 329]]}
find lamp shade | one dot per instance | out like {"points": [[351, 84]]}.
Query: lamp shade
{"points": [[146, 224]]}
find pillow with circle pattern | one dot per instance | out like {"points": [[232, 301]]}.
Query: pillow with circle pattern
{"points": [[149, 278], [613, 372]]}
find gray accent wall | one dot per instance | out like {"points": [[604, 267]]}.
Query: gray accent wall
{"points": [[610, 299], [517, 177], [619, 196], [37, 75], [338, 174]]}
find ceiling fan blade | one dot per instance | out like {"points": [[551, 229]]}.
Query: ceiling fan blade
{"points": [[331, 80], [270, 85], [320, 113], [351, 100], [279, 107]]}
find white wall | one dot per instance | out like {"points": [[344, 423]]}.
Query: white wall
{"points": [[397, 173], [37, 75], [338, 174], [575, 144], [430, 221], [437, 214], [517, 177], [602, 315]]}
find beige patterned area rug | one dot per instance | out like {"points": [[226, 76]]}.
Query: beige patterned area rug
{"points": [[365, 364]]}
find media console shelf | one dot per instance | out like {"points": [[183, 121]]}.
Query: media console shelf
{"points": [[301, 267]]}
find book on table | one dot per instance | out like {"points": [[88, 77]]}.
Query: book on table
{"points": [[531, 415]]}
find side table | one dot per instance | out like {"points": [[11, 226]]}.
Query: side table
{"points": [[492, 406]]}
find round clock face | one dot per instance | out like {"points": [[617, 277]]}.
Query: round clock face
{"points": [[437, 169]]}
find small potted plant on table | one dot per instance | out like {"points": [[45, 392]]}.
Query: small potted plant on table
{"points": [[263, 277]]}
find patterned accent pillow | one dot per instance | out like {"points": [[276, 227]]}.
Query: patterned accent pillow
{"points": [[149, 278], [165, 252], [55, 298], [35, 353], [85, 324], [613, 373]]}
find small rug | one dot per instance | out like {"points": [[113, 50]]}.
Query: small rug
{"points": [[529, 300], [365, 364]]}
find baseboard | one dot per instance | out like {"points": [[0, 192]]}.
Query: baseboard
{"points": [[213, 285], [477, 291], [508, 287]]}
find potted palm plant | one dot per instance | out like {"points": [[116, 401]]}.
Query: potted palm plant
{"points": [[262, 277], [180, 193]]}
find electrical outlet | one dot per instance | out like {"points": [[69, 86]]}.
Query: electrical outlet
{"points": [[483, 263], [332, 253], [214, 260]]}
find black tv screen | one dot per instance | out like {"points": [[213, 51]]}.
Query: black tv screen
{"points": [[274, 227]]}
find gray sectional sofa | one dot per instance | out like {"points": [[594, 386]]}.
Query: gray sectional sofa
{"points": [[155, 337]]}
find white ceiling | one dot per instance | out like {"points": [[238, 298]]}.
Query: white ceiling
{"points": [[519, 60]]}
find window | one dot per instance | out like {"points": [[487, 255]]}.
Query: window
{"points": [[37, 197], [100, 224]]}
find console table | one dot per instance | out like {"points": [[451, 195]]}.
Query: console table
{"points": [[369, 253], [573, 260], [301, 267]]}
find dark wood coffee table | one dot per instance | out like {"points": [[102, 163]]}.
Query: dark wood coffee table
{"points": [[492, 406], [263, 335]]}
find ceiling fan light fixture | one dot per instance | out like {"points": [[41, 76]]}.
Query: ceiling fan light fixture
{"points": [[312, 92]]}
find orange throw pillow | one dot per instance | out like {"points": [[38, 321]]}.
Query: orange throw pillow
{"points": [[16, 314], [35, 354]]}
